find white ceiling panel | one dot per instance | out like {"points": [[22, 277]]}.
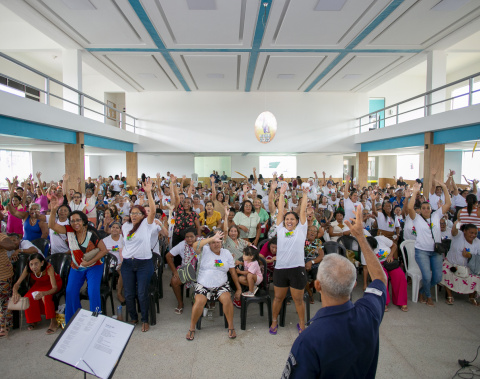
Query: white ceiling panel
{"points": [[148, 70], [418, 26], [358, 70], [287, 72], [231, 24], [295, 23], [109, 23], [219, 72]]}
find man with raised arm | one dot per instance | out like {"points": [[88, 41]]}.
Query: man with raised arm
{"points": [[342, 340]]}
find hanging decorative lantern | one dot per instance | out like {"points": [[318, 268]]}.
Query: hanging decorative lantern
{"points": [[265, 127]]}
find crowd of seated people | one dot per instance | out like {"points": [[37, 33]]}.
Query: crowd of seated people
{"points": [[240, 219]]}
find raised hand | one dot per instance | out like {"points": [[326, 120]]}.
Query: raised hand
{"points": [[158, 175], [283, 189], [356, 228], [416, 187], [254, 169], [65, 177], [227, 211], [147, 186], [324, 173], [39, 174], [218, 236], [53, 202], [78, 180], [433, 172]]}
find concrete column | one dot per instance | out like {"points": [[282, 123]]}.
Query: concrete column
{"points": [[72, 76], [362, 173], [436, 77], [132, 169], [75, 163], [433, 160]]}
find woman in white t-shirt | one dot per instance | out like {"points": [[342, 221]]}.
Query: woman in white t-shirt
{"points": [[386, 222], [114, 245], [427, 227], [457, 277], [212, 281], [137, 266], [290, 264], [58, 242]]}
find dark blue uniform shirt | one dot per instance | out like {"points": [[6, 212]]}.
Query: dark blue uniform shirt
{"points": [[342, 341]]}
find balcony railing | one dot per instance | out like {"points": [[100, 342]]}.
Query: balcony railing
{"points": [[60, 95], [458, 94]]}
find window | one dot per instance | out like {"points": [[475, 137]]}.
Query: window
{"points": [[462, 100], [470, 165], [286, 165], [14, 163], [15, 88], [408, 166]]}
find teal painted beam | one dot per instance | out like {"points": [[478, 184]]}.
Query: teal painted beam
{"points": [[394, 143], [28, 129], [463, 133], [107, 143]]}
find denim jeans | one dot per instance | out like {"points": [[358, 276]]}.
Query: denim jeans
{"points": [[430, 264], [136, 274], [76, 279]]}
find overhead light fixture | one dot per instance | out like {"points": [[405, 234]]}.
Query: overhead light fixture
{"points": [[449, 5], [147, 75], [285, 76], [330, 5], [201, 5], [215, 76], [79, 5]]}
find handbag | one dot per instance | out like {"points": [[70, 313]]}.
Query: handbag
{"points": [[21, 305], [474, 264], [91, 254], [187, 272], [438, 247], [389, 266], [461, 271]]}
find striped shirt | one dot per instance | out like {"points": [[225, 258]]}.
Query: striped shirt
{"points": [[6, 268], [469, 219]]}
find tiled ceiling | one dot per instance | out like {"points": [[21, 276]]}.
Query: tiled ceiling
{"points": [[252, 45]]}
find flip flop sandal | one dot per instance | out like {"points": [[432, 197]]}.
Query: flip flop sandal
{"points": [[449, 301], [274, 330], [51, 331], [300, 330], [31, 327], [404, 308], [178, 311], [191, 335], [231, 334]]}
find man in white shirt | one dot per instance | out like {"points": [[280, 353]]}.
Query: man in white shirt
{"points": [[117, 185], [259, 184]]}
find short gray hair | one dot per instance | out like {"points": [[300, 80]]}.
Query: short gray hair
{"points": [[337, 276]]}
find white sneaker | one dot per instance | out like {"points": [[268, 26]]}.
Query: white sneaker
{"points": [[248, 294], [255, 289]]}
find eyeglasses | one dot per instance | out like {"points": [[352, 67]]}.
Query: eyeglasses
{"points": [[77, 197], [75, 220], [136, 214]]}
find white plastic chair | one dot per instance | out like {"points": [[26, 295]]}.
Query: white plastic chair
{"points": [[413, 271]]}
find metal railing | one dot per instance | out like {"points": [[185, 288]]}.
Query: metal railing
{"points": [[76, 102], [426, 104]]}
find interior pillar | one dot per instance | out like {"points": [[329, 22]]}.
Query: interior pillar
{"points": [[72, 76], [132, 169], [433, 160], [362, 164], [75, 163], [436, 77]]}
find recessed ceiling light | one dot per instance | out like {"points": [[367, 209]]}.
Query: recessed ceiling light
{"points": [[285, 76], [147, 75], [330, 5], [215, 76], [79, 5], [352, 76], [449, 5], [201, 5]]}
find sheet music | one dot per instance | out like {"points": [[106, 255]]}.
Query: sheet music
{"points": [[92, 344], [107, 346]]}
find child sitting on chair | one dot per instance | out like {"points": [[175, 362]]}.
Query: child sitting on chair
{"points": [[252, 275]]}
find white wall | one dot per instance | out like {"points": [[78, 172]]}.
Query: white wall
{"points": [[177, 164], [331, 164], [112, 165], [387, 166], [51, 165], [453, 161], [224, 122]]}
